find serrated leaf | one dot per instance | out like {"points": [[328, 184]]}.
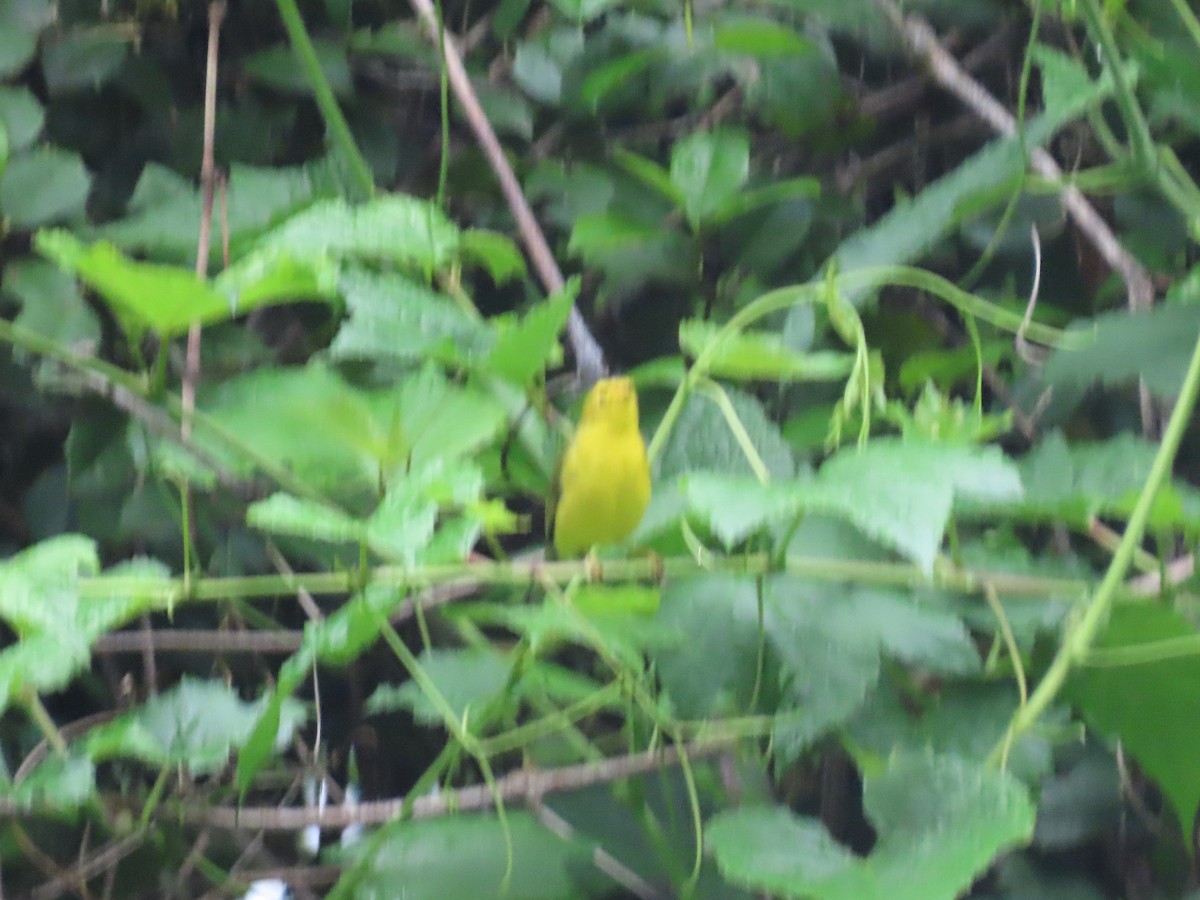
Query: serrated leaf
{"points": [[195, 725], [467, 680], [391, 317], [898, 493], [285, 514], [701, 440], [708, 169], [522, 349], [163, 215], [495, 252], [828, 661], [714, 669], [56, 783], [1154, 345], [1153, 708], [395, 228], [940, 822]]}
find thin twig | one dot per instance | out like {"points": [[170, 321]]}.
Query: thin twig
{"points": [[521, 785], [589, 358], [191, 372]]}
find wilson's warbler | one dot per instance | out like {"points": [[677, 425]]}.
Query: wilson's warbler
{"points": [[604, 478]]}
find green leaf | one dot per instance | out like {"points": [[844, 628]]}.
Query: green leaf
{"points": [[898, 493], [395, 228], [394, 318], [758, 36], [21, 117], [17, 44], [708, 169], [496, 253], [1154, 345], [51, 304], [265, 278], [279, 68], [757, 356], [701, 439], [829, 658], [612, 75], [523, 349], [940, 822], [195, 725], [168, 299], [1076, 482], [713, 671], [42, 187], [57, 783], [427, 859], [83, 59], [467, 680], [583, 10], [163, 215], [284, 514], [1152, 707]]}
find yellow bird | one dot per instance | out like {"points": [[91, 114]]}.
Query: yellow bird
{"points": [[604, 479]]}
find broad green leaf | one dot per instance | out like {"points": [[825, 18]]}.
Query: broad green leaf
{"points": [[39, 589], [394, 318], [42, 187], [613, 75], [56, 783], [1076, 482], [163, 215], [280, 68], [284, 514], [701, 440], [439, 419], [395, 228], [168, 299], [757, 355], [708, 169], [941, 821], [270, 277], [83, 60], [1154, 345], [196, 725], [650, 173], [306, 419], [17, 44], [898, 493], [51, 303], [828, 654], [466, 679], [776, 192], [523, 348], [427, 858], [758, 36], [713, 670], [1152, 707], [583, 10], [21, 117], [496, 253]]}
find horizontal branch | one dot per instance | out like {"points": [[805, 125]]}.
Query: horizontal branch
{"points": [[462, 577], [526, 786]]}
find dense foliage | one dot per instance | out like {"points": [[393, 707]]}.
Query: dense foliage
{"points": [[907, 295]]}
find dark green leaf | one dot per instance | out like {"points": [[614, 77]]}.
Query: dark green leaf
{"points": [[43, 187], [708, 169]]}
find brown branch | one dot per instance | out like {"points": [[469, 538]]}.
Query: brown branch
{"points": [[527, 786], [589, 358], [923, 43]]}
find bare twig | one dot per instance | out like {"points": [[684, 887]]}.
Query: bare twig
{"points": [[589, 358], [191, 373], [521, 785]]}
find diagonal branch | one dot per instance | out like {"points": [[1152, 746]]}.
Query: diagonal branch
{"points": [[589, 358]]}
